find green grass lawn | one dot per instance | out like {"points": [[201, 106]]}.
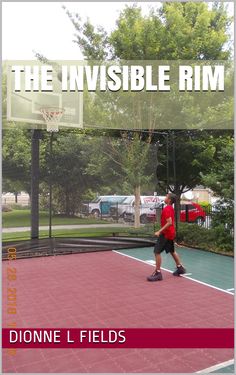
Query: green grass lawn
{"points": [[87, 232], [21, 218]]}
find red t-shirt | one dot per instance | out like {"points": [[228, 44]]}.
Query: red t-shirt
{"points": [[168, 212]]}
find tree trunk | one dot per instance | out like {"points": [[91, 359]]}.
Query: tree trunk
{"points": [[137, 207], [177, 205], [67, 203], [29, 202], [16, 197], [177, 212]]}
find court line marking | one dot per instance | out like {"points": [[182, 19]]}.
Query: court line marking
{"points": [[229, 290], [217, 367], [186, 277]]}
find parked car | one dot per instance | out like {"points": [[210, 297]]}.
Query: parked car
{"points": [[196, 214], [147, 215], [101, 205], [118, 210], [148, 205]]}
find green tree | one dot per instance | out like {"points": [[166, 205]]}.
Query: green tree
{"points": [[103, 164], [12, 187], [68, 171], [135, 161], [221, 177], [221, 180], [190, 154], [16, 158], [122, 165], [186, 31]]}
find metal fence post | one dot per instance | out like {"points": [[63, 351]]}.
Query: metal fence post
{"points": [[186, 213], [117, 214], [36, 136]]}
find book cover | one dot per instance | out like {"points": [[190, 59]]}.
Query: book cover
{"points": [[118, 187]]}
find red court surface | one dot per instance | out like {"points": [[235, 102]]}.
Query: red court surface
{"points": [[109, 290]]}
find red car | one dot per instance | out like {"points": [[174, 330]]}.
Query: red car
{"points": [[196, 214]]}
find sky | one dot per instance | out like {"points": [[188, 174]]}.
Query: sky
{"points": [[45, 28]]}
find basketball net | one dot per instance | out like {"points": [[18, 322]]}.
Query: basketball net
{"points": [[52, 117]]}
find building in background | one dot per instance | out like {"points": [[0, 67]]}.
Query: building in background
{"points": [[200, 194]]}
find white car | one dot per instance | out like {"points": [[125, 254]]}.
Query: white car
{"points": [[100, 206], [148, 206]]}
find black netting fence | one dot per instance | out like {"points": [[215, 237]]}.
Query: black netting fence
{"points": [[90, 184]]}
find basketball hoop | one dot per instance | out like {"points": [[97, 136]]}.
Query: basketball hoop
{"points": [[52, 117]]}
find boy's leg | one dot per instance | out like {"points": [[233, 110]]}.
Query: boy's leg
{"points": [[157, 275], [176, 258], [180, 270], [158, 262]]}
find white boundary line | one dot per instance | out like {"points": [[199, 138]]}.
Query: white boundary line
{"points": [[216, 367], [186, 277]]}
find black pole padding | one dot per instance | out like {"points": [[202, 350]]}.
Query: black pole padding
{"points": [[167, 163], [176, 222], [35, 171], [175, 185], [50, 185]]}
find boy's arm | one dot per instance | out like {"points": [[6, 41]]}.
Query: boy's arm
{"points": [[167, 225]]}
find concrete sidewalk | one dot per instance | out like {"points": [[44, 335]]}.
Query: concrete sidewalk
{"points": [[65, 227]]}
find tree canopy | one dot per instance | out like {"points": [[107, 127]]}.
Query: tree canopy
{"points": [[178, 30]]}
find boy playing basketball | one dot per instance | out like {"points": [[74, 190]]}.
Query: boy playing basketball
{"points": [[165, 240]]}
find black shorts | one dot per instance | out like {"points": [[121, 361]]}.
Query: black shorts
{"points": [[164, 244]]}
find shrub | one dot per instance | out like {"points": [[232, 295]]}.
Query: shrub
{"points": [[224, 215], [215, 239], [144, 231], [6, 208], [16, 206]]}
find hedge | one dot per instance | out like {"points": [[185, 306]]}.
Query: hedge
{"points": [[216, 239]]}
